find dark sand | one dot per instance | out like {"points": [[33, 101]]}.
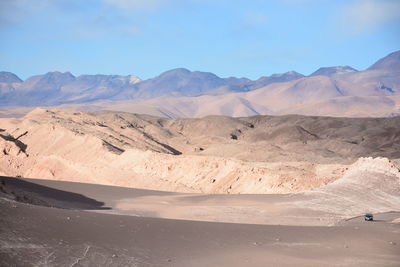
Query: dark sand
{"points": [[35, 235], [251, 208]]}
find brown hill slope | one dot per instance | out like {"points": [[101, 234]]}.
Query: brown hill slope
{"points": [[215, 154]]}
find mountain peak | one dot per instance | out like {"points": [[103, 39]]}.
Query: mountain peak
{"points": [[134, 79], [179, 81], [53, 80], [9, 77], [390, 62], [278, 78], [177, 71], [329, 71], [59, 74], [290, 75]]}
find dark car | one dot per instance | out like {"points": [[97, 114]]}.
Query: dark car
{"points": [[368, 217]]}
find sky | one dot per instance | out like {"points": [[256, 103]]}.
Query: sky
{"points": [[241, 38]]}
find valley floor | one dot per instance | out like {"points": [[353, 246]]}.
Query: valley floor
{"points": [[73, 224]]}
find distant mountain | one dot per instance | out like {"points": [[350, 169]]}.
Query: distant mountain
{"points": [[184, 93], [391, 62], [277, 78], [245, 85], [180, 82], [183, 82], [94, 87], [8, 81], [329, 71], [51, 81], [54, 88], [8, 77]]}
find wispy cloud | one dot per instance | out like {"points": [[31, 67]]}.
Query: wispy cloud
{"points": [[12, 11], [251, 22], [17, 11], [135, 4], [256, 19], [363, 16], [75, 19]]}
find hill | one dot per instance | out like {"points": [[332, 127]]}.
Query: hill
{"points": [[260, 154]]}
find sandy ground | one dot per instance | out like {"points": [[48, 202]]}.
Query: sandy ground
{"points": [[35, 235], [370, 185]]}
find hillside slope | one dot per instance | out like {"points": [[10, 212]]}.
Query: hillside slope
{"points": [[261, 154]]}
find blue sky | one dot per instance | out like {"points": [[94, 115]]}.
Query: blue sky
{"points": [[229, 38]]}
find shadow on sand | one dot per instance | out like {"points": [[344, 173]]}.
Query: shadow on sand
{"points": [[35, 194]]}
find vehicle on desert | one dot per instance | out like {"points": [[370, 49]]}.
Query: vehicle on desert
{"points": [[369, 217]]}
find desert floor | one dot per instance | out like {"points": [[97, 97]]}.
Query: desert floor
{"points": [[57, 223]]}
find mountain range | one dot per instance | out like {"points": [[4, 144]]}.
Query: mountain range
{"points": [[332, 91]]}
